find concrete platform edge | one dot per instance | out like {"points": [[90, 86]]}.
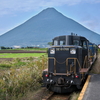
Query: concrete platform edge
{"points": [[84, 88]]}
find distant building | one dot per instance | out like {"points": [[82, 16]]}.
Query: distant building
{"points": [[17, 47], [99, 46]]}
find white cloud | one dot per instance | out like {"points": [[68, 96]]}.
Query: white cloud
{"points": [[9, 6], [62, 2], [12, 6], [91, 24], [92, 1]]}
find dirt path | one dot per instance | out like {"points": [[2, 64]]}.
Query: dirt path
{"points": [[5, 59]]}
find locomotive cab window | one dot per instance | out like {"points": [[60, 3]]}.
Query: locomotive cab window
{"points": [[55, 42], [62, 42], [83, 44], [59, 40], [76, 42]]}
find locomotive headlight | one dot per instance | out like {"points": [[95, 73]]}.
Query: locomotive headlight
{"points": [[52, 51], [72, 51]]}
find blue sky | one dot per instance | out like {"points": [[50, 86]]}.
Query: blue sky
{"points": [[16, 12]]}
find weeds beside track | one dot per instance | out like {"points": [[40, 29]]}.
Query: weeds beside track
{"points": [[22, 76]]}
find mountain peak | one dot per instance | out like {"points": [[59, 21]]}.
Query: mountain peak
{"points": [[50, 9], [50, 13], [40, 29]]}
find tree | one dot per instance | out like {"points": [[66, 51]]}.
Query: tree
{"points": [[50, 43]]}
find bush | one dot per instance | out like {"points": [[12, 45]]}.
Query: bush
{"points": [[5, 66], [15, 82]]}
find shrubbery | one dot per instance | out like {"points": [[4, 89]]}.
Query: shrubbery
{"points": [[22, 76]]}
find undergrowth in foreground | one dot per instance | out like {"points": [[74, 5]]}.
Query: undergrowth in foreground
{"points": [[74, 96], [22, 75], [96, 66]]}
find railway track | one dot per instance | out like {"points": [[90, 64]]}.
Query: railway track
{"points": [[48, 96], [56, 96]]}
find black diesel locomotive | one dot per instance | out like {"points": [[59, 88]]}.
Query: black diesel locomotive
{"points": [[69, 60]]}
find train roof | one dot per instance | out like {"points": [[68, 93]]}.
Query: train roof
{"points": [[75, 36]]}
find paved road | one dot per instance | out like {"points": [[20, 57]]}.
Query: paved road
{"points": [[93, 89]]}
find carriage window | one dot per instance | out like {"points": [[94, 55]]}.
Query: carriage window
{"points": [[75, 42], [62, 42], [55, 42]]}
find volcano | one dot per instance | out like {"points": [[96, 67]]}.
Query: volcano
{"points": [[43, 27]]}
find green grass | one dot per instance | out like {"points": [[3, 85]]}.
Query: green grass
{"points": [[98, 50], [4, 66], [21, 76], [74, 96], [96, 66], [20, 55]]}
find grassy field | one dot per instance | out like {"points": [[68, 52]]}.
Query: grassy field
{"points": [[20, 55], [21, 76]]}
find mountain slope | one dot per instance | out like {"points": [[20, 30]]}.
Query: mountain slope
{"points": [[40, 29]]}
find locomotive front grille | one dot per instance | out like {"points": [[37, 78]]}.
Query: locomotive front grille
{"points": [[68, 66], [62, 61], [60, 55]]}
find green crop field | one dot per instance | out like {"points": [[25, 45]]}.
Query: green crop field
{"points": [[20, 55]]}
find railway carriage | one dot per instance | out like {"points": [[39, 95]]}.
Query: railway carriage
{"points": [[69, 60]]}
